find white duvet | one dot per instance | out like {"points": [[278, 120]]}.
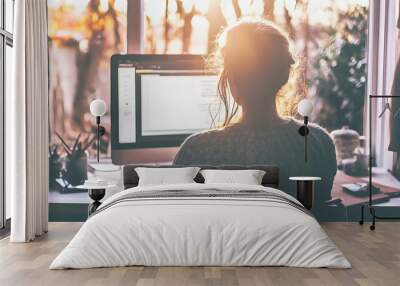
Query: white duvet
{"points": [[200, 231]]}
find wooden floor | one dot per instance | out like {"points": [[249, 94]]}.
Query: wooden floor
{"points": [[375, 257]]}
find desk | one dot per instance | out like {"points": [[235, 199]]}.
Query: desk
{"points": [[381, 178]]}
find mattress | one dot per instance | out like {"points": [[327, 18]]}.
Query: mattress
{"points": [[201, 225]]}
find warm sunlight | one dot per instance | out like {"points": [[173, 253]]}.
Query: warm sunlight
{"points": [[94, 30], [199, 142], [66, 19]]}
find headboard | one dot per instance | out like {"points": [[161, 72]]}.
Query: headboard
{"points": [[270, 179]]}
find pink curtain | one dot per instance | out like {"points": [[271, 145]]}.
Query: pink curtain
{"points": [[395, 122]]}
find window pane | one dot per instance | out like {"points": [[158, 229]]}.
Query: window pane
{"points": [[8, 73], [1, 15], [9, 14]]}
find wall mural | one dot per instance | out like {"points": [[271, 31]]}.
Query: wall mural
{"points": [[330, 43]]}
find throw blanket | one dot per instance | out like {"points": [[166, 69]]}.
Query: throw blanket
{"points": [[206, 193], [199, 225]]}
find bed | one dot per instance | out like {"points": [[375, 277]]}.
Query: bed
{"points": [[198, 224]]}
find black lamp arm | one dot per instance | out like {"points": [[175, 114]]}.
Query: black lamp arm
{"points": [[99, 132], [304, 131]]}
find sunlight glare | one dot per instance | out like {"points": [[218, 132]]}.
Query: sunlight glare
{"points": [[202, 5], [172, 7], [188, 5], [155, 10], [103, 6], [228, 11], [200, 37]]}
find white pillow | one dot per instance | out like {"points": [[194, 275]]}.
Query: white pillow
{"points": [[248, 177], [163, 176]]}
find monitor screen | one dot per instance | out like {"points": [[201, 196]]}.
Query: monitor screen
{"points": [[158, 101]]}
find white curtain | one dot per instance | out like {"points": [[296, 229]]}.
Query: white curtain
{"points": [[27, 123], [382, 37]]}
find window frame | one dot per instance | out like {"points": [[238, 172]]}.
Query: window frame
{"points": [[6, 40], [135, 26]]}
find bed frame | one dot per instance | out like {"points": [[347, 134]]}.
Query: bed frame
{"points": [[270, 179]]}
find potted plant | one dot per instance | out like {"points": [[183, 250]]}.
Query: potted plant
{"points": [[75, 160]]}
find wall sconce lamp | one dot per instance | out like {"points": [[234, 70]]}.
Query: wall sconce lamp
{"points": [[305, 108], [98, 108]]}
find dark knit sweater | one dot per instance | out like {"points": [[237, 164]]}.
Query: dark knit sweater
{"points": [[281, 145]]}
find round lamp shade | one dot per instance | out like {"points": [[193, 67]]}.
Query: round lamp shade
{"points": [[98, 107], [305, 107]]}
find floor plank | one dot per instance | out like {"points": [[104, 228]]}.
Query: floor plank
{"points": [[375, 257]]}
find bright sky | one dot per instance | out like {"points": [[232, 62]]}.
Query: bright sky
{"points": [[318, 9], [80, 5], [319, 13]]}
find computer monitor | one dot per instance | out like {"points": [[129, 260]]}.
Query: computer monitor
{"points": [[157, 101]]}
